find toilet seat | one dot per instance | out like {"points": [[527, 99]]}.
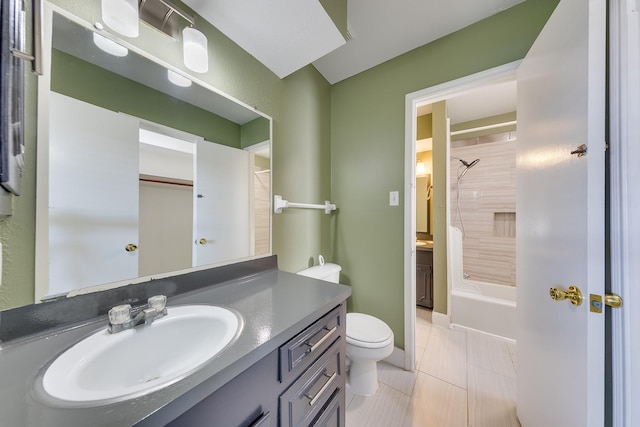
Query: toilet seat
{"points": [[367, 331]]}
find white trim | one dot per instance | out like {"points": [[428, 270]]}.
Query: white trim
{"points": [[624, 48], [442, 320], [430, 95], [478, 331]]}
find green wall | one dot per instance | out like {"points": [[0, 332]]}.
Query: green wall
{"points": [[76, 78], [299, 106], [367, 151], [254, 132]]}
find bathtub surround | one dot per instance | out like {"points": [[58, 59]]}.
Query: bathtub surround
{"points": [[487, 207], [476, 305]]}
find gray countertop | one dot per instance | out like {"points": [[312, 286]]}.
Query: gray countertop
{"points": [[274, 305]]}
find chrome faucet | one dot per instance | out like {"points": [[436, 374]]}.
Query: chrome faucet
{"points": [[120, 316]]}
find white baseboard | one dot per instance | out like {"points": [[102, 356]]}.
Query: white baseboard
{"points": [[396, 358], [500, 337], [440, 319]]}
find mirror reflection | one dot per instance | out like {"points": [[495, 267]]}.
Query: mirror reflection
{"points": [[147, 172]]}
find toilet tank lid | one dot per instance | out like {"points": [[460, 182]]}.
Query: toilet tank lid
{"points": [[320, 271]]}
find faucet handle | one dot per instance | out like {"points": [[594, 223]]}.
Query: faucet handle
{"points": [[158, 302], [120, 314]]}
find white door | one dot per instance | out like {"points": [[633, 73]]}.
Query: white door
{"points": [[93, 195], [222, 220], [560, 214]]}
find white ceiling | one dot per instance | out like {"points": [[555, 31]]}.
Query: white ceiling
{"points": [[286, 35], [383, 29]]}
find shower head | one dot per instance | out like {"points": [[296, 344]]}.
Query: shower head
{"points": [[472, 164], [467, 164], [467, 167]]}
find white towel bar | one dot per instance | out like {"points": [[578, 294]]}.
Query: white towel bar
{"points": [[279, 204]]}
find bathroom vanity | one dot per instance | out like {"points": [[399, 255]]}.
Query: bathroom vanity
{"points": [[285, 367], [424, 274]]}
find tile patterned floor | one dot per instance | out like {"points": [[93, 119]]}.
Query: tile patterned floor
{"points": [[463, 378]]}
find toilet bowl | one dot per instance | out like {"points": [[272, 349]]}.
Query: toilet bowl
{"points": [[369, 339]]}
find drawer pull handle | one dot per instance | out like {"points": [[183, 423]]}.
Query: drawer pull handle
{"points": [[262, 421], [323, 339], [326, 385]]}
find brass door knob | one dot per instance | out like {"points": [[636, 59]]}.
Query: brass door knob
{"points": [[573, 294], [202, 241], [131, 247], [613, 300]]}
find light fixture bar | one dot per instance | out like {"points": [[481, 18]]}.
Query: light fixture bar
{"points": [[176, 9], [159, 13]]}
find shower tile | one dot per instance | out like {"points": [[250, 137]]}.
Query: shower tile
{"points": [[489, 353], [383, 409], [492, 399], [445, 356], [435, 403], [396, 378]]}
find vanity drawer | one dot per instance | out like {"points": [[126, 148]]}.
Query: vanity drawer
{"points": [[332, 415], [304, 348], [309, 394]]}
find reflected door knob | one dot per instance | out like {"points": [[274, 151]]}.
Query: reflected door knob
{"points": [[131, 247], [573, 294]]}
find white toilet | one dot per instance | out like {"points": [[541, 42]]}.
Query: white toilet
{"points": [[369, 339]]}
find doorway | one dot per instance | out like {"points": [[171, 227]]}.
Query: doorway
{"points": [[441, 214]]}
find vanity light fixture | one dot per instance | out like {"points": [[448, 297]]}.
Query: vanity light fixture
{"points": [[121, 16], [109, 46], [168, 18], [194, 50], [178, 79]]}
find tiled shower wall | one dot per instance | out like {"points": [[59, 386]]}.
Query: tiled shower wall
{"points": [[488, 206]]}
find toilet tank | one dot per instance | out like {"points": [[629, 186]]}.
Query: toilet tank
{"points": [[328, 271]]}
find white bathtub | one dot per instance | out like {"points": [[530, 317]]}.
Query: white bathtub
{"points": [[481, 306]]}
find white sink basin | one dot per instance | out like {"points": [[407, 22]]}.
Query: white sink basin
{"points": [[107, 367]]}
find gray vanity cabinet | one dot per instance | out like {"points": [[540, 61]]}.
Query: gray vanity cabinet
{"points": [[302, 383], [424, 278]]}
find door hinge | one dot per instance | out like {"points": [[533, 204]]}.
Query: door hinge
{"points": [[580, 151]]}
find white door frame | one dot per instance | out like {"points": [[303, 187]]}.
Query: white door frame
{"points": [[430, 95], [624, 153]]}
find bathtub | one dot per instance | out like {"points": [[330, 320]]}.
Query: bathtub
{"points": [[480, 306]]}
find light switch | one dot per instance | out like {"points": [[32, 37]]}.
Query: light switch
{"points": [[394, 198]]}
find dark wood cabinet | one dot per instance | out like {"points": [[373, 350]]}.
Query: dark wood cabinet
{"points": [[424, 278]]}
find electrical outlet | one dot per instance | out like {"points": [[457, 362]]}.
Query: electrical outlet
{"points": [[394, 198]]}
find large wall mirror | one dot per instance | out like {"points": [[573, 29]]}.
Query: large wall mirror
{"points": [[142, 172]]}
